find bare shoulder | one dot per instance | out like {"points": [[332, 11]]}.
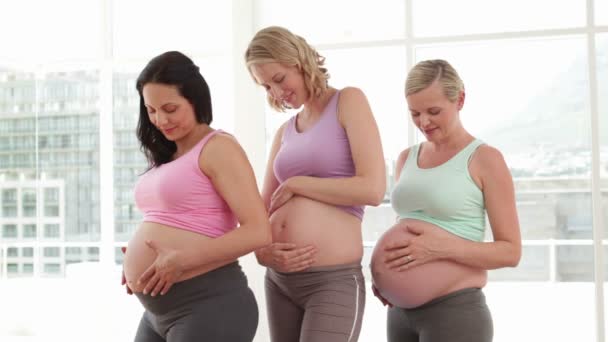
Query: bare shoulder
{"points": [[488, 156], [351, 94], [222, 142], [488, 161], [353, 106], [222, 149]]}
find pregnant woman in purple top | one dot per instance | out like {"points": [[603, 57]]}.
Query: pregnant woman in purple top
{"points": [[325, 165]]}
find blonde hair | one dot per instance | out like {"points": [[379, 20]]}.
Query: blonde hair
{"points": [[276, 44], [426, 72]]}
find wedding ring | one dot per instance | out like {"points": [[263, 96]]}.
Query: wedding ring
{"points": [[408, 258]]}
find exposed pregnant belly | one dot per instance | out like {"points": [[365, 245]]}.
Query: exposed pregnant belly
{"points": [[422, 283], [335, 233], [139, 256]]}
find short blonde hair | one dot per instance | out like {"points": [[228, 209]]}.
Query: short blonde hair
{"points": [[276, 44], [426, 72]]}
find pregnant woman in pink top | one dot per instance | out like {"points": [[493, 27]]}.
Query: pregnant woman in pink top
{"points": [[181, 262]]}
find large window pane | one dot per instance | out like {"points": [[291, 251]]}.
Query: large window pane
{"points": [[68, 102], [34, 31], [533, 106], [601, 12], [145, 28], [439, 17], [350, 20]]}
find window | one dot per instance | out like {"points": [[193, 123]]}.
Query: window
{"points": [[28, 268], [12, 268], [12, 252], [29, 231], [52, 268], [9, 203], [29, 202], [9, 231], [51, 252], [51, 230], [27, 252]]}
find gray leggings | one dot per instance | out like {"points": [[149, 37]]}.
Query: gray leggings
{"points": [[216, 306], [321, 304], [461, 316]]}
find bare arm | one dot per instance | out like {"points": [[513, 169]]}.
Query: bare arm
{"points": [[499, 197], [225, 163], [368, 185]]}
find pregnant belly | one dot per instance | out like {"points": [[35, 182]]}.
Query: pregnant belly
{"points": [[422, 283], [139, 256], [335, 233]]}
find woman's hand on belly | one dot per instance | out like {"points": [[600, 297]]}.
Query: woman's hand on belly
{"points": [[279, 197], [426, 243], [163, 273], [286, 257]]}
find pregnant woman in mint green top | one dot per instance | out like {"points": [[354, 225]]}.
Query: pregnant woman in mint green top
{"points": [[430, 266]]}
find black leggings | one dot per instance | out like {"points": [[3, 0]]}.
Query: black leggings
{"points": [[214, 307], [461, 316]]}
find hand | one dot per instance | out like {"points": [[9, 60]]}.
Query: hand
{"points": [[123, 280], [379, 296], [163, 273], [285, 257], [280, 196], [427, 244]]}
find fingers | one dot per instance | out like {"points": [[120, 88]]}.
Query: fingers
{"points": [[283, 245], [274, 205], [158, 288], [294, 260], [166, 288], [287, 258], [147, 275], [409, 265], [396, 245], [151, 284], [123, 279], [396, 255], [302, 255], [401, 261]]}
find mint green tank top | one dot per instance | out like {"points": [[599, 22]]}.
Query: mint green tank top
{"points": [[445, 195]]}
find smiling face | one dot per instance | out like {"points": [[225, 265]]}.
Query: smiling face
{"points": [[433, 113], [284, 84], [169, 111]]}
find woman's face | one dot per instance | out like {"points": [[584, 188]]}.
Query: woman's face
{"points": [[282, 83], [168, 111], [433, 113]]}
